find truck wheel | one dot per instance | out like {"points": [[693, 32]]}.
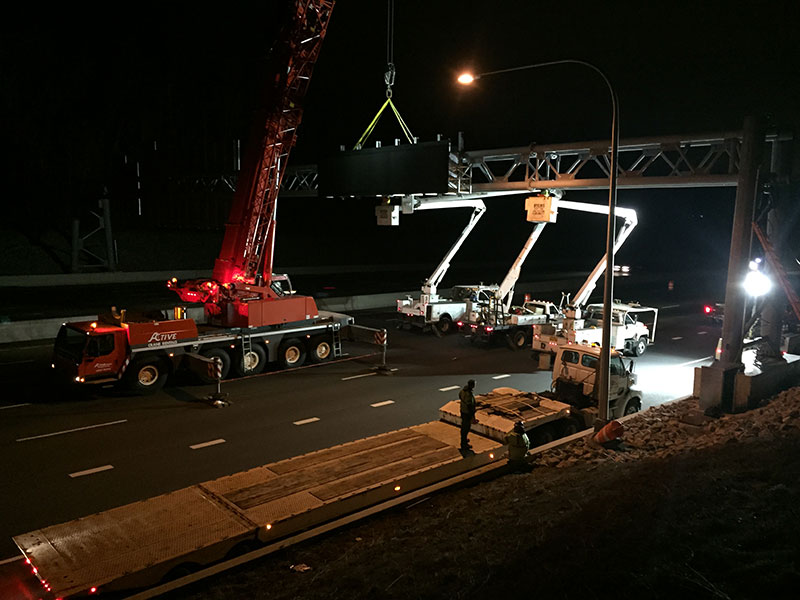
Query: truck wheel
{"points": [[568, 427], [292, 353], [251, 363], [634, 405], [518, 339], [221, 354], [146, 375], [541, 436], [640, 346], [320, 349], [444, 324]]}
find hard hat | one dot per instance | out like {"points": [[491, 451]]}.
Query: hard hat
{"points": [[518, 426]]}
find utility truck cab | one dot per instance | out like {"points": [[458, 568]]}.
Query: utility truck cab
{"points": [[575, 373]]}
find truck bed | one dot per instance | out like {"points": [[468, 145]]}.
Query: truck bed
{"points": [[502, 407], [138, 544]]}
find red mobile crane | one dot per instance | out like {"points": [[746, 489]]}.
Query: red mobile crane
{"points": [[250, 317]]}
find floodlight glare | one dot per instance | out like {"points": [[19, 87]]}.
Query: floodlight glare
{"points": [[757, 284]]}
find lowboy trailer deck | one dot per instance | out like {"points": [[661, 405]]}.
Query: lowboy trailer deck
{"points": [[141, 544]]}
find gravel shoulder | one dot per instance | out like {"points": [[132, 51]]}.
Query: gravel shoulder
{"points": [[703, 508]]}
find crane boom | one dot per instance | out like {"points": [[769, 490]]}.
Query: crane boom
{"points": [[242, 291], [247, 248]]}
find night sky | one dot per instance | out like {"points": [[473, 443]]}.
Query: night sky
{"points": [[83, 92]]}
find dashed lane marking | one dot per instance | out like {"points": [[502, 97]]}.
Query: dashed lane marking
{"points": [[207, 444], [449, 389], [393, 370], [384, 403], [702, 333], [91, 471], [677, 337], [44, 435], [307, 421], [500, 376], [14, 406], [358, 376], [670, 306]]}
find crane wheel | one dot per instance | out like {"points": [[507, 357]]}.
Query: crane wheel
{"points": [[292, 353], [320, 349], [251, 363], [147, 375]]}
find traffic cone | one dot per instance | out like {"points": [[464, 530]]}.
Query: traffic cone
{"points": [[610, 432]]}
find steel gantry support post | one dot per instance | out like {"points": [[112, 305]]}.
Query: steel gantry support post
{"points": [[717, 381]]}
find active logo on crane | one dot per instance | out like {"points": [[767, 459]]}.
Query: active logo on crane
{"points": [[158, 338]]}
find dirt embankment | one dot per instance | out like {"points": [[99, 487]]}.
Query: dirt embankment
{"points": [[689, 507]]}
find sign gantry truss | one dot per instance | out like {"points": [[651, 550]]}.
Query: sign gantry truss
{"points": [[710, 160]]}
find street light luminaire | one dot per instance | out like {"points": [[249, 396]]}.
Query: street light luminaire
{"points": [[603, 383], [466, 78]]}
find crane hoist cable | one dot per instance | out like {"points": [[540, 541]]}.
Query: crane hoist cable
{"points": [[388, 79]]}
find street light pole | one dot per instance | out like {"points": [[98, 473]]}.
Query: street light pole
{"points": [[603, 382]]}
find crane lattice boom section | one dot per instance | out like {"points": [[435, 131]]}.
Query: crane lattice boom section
{"points": [[247, 249]]}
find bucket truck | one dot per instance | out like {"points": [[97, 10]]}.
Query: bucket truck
{"points": [[432, 309], [628, 334]]}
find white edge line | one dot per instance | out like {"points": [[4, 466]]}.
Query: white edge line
{"points": [[207, 444], [384, 403], [5, 561], [91, 471], [306, 421], [691, 362], [44, 435], [448, 389], [14, 406], [500, 376], [357, 376]]}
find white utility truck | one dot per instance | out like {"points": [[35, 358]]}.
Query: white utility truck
{"points": [[431, 309]]}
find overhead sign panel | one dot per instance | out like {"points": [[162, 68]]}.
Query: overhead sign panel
{"points": [[408, 169]]}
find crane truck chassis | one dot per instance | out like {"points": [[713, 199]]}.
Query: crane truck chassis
{"points": [[141, 353]]}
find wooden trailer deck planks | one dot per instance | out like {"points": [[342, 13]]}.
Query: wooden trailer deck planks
{"points": [[271, 501]]}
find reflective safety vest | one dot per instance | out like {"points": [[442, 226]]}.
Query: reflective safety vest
{"points": [[518, 445]]}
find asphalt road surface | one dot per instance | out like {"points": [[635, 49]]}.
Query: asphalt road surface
{"points": [[65, 458]]}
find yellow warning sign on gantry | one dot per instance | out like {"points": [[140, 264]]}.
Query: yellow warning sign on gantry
{"points": [[541, 209]]}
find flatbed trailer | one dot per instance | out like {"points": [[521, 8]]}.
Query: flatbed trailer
{"points": [[141, 544], [544, 418]]}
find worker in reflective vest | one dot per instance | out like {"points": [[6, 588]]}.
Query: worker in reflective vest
{"points": [[518, 446], [467, 413]]}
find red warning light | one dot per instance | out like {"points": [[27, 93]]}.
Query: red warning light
{"points": [[92, 590], [707, 309]]}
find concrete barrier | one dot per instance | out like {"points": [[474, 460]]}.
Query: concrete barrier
{"points": [[46, 329], [39, 329]]}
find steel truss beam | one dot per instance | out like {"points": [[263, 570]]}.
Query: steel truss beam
{"points": [[710, 160]]}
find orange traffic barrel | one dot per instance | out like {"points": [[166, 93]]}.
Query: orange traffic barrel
{"points": [[610, 431]]}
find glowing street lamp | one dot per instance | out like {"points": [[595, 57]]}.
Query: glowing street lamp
{"points": [[603, 379]]}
